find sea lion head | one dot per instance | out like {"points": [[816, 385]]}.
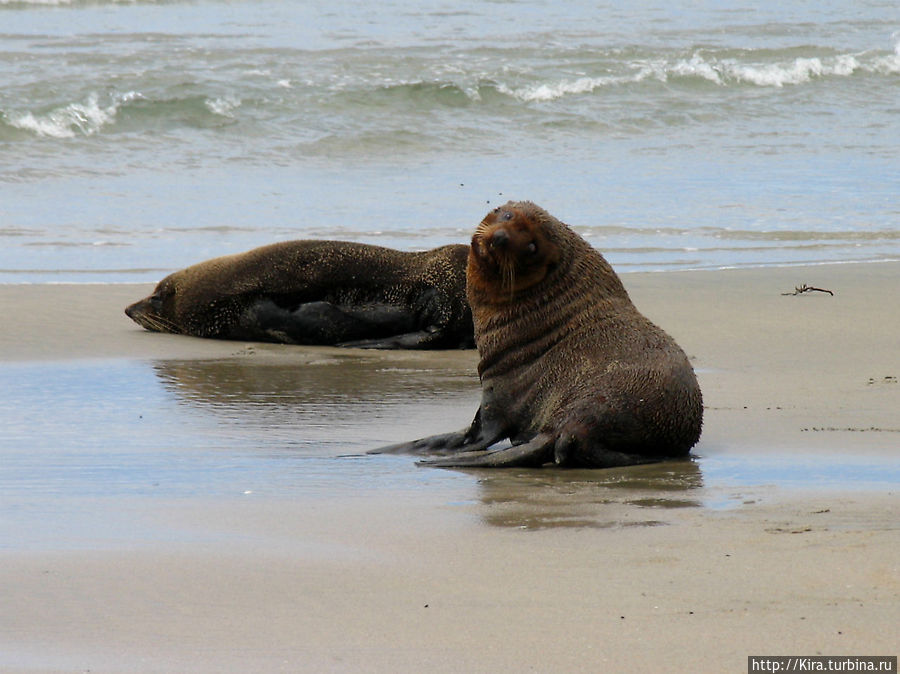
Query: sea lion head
{"points": [[157, 311], [513, 249]]}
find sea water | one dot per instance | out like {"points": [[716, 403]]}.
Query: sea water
{"points": [[140, 137]]}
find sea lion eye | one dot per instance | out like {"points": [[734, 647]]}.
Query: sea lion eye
{"points": [[531, 248], [507, 215]]}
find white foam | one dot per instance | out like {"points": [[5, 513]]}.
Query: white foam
{"points": [[798, 71], [777, 75], [223, 106], [723, 72], [845, 65], [889, 65], [696, 67], [553, 91], [87, 118]]}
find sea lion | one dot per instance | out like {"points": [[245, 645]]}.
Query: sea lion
{"points": [[571, 372], [319, 292]]}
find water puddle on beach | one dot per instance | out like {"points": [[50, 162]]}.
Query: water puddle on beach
{"points": [[87, 444]]}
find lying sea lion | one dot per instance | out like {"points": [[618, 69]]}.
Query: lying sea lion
{"points": [[571, 372], [319, 292]]}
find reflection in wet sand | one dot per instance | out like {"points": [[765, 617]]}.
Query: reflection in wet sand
{"points": [[315, 379], [615, 497], [323, 399], [304, 418], [327, 403]]}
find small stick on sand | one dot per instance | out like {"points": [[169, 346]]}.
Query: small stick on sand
{"points": [[808, 289]]}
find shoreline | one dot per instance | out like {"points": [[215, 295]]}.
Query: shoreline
{"points": [[179, 504], [621, 269]]}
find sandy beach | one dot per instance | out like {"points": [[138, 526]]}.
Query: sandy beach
{"points": [[173, 504]]}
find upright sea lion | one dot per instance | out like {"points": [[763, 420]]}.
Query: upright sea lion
{"points": [[571, 372], [319, 292]]}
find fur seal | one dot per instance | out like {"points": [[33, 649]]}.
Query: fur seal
{"points": [[571, 372], [319, 292]]}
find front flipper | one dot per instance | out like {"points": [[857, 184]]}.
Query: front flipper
{"points": [[321, 322], [424, 446], [476, 437], [535, 452]]}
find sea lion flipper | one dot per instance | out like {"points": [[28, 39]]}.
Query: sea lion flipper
{"points": [[535, 452], [475, 438], [422, 446], [410, 340], [323, 322]]}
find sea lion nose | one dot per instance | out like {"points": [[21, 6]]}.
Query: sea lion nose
{"points": [[499, 239]]}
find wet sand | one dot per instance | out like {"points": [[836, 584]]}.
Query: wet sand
{"points": [[251, 533]]}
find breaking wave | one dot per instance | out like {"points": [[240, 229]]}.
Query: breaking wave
{"points": [[90, 116], [85, 118], [722, 71]]}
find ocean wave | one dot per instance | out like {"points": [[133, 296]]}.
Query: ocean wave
{"points": [[419, 91], [709, 67], [224, 106], [779, 73], [85, 118], [889, 64], [554, 90], [89, 116], [730, 71]]}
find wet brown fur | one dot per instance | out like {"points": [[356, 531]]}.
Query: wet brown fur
{"points": [[227, 297], [571, 372]]}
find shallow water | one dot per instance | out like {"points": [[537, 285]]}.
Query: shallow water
{"points": [[92, 450], [140, 137]]}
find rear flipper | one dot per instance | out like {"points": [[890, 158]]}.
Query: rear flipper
{"points": [[540, 450], [578, 450], [410, 340], [536, 452]]}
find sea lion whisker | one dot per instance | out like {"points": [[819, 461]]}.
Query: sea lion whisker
{"points": [[171, 327], [147, 321], [161, 324], [154, 322]]}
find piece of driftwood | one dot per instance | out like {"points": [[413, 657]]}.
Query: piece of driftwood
{"points": [[799, 290]]}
